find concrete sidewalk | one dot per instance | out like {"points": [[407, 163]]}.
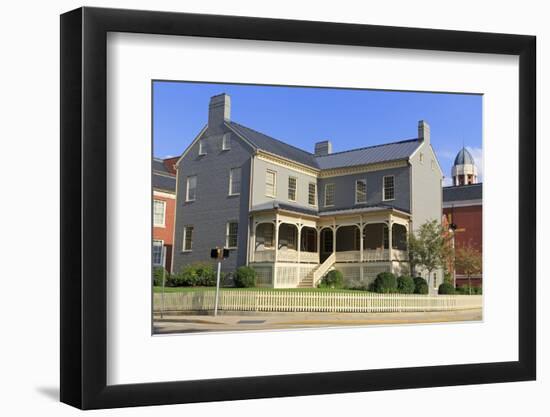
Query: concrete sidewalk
{"points": [[172, 323]]}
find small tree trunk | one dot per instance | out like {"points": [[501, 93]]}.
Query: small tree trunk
{"points": [[469, 284]]}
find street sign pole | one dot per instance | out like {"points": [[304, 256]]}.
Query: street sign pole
{"points": [[163, 280], [217, 289]]}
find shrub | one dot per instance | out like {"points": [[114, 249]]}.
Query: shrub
{"points": [[446, 288], [405, 285], [465, 290], [420, 286], [157, 277], [245, 277], [206, 275], [195, 275], [334, 279], [385, 282]]}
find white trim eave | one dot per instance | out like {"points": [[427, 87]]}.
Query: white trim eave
{"points": [[191, 145], [335, 213]]}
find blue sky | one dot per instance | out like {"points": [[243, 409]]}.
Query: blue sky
{"points": [[302, 116]]}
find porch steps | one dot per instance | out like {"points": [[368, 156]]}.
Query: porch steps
{"points": [[315, 274]]}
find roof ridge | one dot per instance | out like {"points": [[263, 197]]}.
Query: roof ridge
{"points": [[369, 147], [271, 137]]}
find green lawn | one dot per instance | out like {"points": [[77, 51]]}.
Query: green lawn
{"points": [[192, 289]]}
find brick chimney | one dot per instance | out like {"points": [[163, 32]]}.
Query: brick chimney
{"points": [[424, 131], [323, 148], [219, 110]]}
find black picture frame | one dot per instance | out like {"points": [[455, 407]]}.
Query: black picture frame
{"points": [[84, 207]]}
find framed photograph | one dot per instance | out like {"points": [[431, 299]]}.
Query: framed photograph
{"points": [[258, 208]]}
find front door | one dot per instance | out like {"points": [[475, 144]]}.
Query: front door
{"points": [[327, 242]]}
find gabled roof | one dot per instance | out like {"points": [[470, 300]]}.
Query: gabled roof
{"points": [[274, 146], [462, 193], [370, 155], [162, 179], [362, 156]]}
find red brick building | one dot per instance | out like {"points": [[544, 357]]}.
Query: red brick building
{"points": [[164, 204], [463, 207]]}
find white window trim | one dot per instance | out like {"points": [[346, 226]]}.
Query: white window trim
{"points": [[187, 188], [227, 234], [274, 183], [161, 251], [226, 143], [184, 235], [357, 181], [295, 188], [163, 224], [231, 181], [314, 194], [384, 188], [421, 157], [326, 185], [202, 150]]}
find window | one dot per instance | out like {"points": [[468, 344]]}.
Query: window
{"points": [[234, 181], [329, 194], [421, 157], [159, 211], [360, 191], [202, 147], [433, 164], [226, 142], [187, 238], [191, 188], [157, 252], [312, 194], [292, 188], [389, 189], [270, 183], [231, 235]]}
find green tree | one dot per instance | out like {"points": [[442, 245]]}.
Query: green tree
{"points": [[428, 247], [468, 260]]}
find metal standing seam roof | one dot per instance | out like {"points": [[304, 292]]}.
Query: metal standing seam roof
{"points": [[275, 146], [463, 192], [361, 156], [369, 155]]}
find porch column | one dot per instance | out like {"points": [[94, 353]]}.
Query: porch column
{"points": [[276, 236], [252, 241], [361, 240], [390, 243], [334, 235], [299, 240], [361, 256], [319, 243]]}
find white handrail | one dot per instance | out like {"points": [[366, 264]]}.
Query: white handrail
{"points": [[323, 268]]}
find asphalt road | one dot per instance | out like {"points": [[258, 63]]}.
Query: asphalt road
{"points": [[171, 323]]}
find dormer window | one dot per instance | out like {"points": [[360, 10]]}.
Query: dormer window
{"points": [[226, 142], [202, 147]]}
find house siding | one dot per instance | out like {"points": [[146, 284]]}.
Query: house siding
{"points": [[259, 196], [345, 189], [213, 207]]}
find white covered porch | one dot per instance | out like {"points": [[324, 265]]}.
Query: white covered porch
{"points": [[290, 249]]}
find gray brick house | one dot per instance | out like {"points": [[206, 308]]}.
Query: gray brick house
{"points": [[293, 215]]}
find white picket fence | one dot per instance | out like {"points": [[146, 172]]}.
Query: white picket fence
{"points": [[304, 301]]}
